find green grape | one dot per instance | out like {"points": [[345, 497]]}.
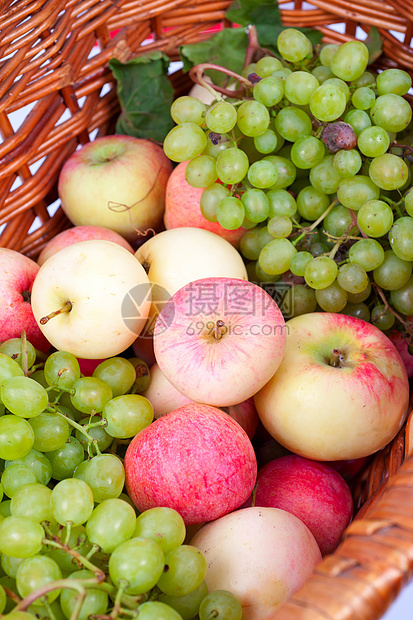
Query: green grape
{"points": [[250, 246], [401, 238], [275, 257], [19, 615], [5, 508], [36, 572], [402, 298], [100, 437], [328, 102], [263, 276], [363, 98], [13, 348], [368, 253], [140, 562], [142, 375], [80, 470], [280, 226], [187, 606], [394, 81], [388, 171], [16, 437], [352, 278], [293, 123], [10, 565], [350, 60], [105, 475], [311, 203], [375, 218], [249, 69], [267, 142], [20, 537], [15, 476], [256, 204], [341, 84], [373, 141], [210, 199], [365, 79], [94, 604], [253, 118], [356, 298], [358, 119], [221, 117], [299, 261], [65, 460], [282, 73], [294, 45], [269, 91], [324, 177], [50, 431], [24, 397], [38, 463], [408, 202], [163, 525], [354, 192], [307, 152], [127, 415], [184, 142], [72, 500], [317, 248], [201, 171], [3, 599], [91, 394], [264, 236], [155, 610], [32, 501], [285, 169], [188, 110], [327, 52], [230, 213], [111, 523], [281, 202], [266, 65], [299, 86], [232, 166], [381, 317], [391, 112], [186, 570], [320, 272], [61, 369], [360, 311], [322, 73], [347, 163], [220, 604], [118, 372], [262, 174], [215, 148], [393, 273]]}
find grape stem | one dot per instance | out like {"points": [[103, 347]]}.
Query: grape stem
{"points": [[253, 46], [196, 74], [80, 559], [52, 408]]}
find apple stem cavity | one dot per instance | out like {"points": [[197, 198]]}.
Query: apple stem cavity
{"points": [[336, 358], [26, 296], [67, 306]]}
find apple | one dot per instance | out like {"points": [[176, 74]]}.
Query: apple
{"points": [[143, 348], [178, 256], [80, 233], [117, 182], [17, 274], [82, 299], [261, 555], [341, 391], [312, 491], [195, 459], [88, 366], [219, 340], [401, 345], [182, 207]]}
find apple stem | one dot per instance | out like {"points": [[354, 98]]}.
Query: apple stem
{"points": [[67, 306], [218, 333], [336, 358]]}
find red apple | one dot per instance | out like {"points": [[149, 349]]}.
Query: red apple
{"points": [[182, 207], [17, 274], [341, 391], [87, 366], [196, 460], [312, 491], [245, 414], [401, 345], [118, 182], [80, 233], [143, 348], [219, 340]]}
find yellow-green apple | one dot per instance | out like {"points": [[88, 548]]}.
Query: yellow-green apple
{"points": [[117, 182], [196, 459], [261, 555], [182, 207], [219, 340], [341, 391], [312, 491], [83, 299], [80, 233], [180, 255], [17, 274]]}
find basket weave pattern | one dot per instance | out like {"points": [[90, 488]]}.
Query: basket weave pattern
{"points": [[54, 67]]}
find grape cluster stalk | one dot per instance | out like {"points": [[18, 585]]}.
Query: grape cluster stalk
{"points": [[311, 156], [72, 545]]}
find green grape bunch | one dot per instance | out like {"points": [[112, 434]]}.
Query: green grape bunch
{"points": [[313, 160]]}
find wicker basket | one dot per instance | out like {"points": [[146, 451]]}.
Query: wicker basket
{"points": [[47, 70]]}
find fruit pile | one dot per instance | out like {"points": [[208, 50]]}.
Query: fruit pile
{"points": [[309, 159]]}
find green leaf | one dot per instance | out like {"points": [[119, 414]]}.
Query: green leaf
{"points": [[374, 44], [226, 48], [145, 95]]}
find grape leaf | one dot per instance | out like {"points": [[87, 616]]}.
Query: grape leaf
{"points": [[145, 95], [374, 44]]}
